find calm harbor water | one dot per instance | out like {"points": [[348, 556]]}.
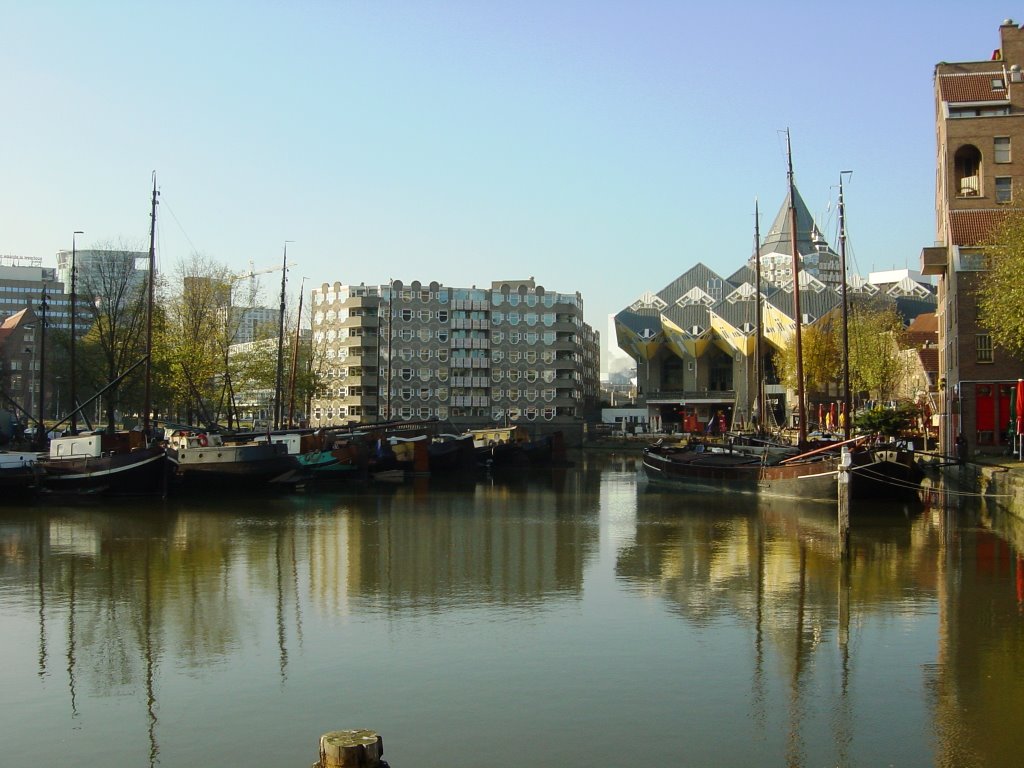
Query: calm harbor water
{"points": [[575, 618]]}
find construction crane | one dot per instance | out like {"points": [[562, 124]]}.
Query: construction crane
{"points": [[252, 272]]}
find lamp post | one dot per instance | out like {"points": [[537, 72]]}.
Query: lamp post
{"points": [[74, 326]]}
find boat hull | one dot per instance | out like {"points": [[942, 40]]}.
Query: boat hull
{"points": [[20, 475], [737, 472], [245, 466], [885, 472], [140, 472]]}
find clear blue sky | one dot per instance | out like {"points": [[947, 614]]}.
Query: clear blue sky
{"points": [[603, 147]]}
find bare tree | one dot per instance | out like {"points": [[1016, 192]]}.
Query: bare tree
{"points": [[114, 292]]}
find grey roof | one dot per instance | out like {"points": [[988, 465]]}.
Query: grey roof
{"points": [[736, 313], [638, 322], [813, 304], [696, 276], [809, 237], [689, 316], [744, 274]]}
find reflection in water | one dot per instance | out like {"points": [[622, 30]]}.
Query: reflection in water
{"points": [[729, 630]]}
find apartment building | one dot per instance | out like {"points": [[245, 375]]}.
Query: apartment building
{"points": [[979, 127], [512, 352]]}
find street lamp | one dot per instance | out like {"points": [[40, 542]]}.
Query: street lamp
{"points": [[74, 326]]}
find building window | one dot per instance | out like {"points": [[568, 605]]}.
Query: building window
{"points": [[984, 348], [967, 164], [971, 261], [1004, 189], [1001, 149]]}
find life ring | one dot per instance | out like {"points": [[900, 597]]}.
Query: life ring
{"points": [[203, 442]]}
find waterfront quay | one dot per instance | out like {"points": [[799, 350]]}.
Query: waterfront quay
{"points": [[581, 606]]}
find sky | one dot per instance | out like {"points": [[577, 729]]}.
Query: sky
{"points": [[603, 147]]}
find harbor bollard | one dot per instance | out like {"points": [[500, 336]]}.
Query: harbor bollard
{"points": [[351, 749], [845, 464]]}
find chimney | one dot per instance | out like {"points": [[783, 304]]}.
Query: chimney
{"points": [[1012, 40]]}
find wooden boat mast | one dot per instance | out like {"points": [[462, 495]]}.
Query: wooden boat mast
{"points": [[74, 332], [758, 363], [797, 316], [278, 405], [147, 393], [295, 358], [44, 304], [847, 418]]}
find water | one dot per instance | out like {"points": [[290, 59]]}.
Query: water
{"points": [[574, 619]]}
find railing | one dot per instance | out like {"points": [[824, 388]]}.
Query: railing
{"points": [[692, 394]]}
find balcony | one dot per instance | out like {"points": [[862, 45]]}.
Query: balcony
{"points": [[934, 260]]}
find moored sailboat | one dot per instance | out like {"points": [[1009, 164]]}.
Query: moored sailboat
{"points": [[792, 472], [117, 463], [883, 471]]}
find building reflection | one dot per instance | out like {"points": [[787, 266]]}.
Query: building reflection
{"points": [[121, 592], [777, 566]]}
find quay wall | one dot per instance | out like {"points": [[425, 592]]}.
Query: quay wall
{"points": [[1000, 485]]}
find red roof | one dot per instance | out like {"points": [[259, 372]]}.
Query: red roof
{"points": [[974, 227], [927, 322], [972, 87], [929, 359]]}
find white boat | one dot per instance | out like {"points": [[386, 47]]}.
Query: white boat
{"points": [[198, 458]]}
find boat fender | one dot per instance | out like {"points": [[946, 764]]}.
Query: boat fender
{"points": [[203, 442]]}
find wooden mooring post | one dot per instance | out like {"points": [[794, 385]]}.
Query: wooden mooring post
{"points": [[844, 501], [351, 749]]}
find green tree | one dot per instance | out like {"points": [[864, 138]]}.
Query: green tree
{"points": [[876, 335], [888, 421], [822, 363], [201, 325], [1001, 293]]}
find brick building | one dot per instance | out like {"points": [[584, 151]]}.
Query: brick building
{"points": [[979, 122]]}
